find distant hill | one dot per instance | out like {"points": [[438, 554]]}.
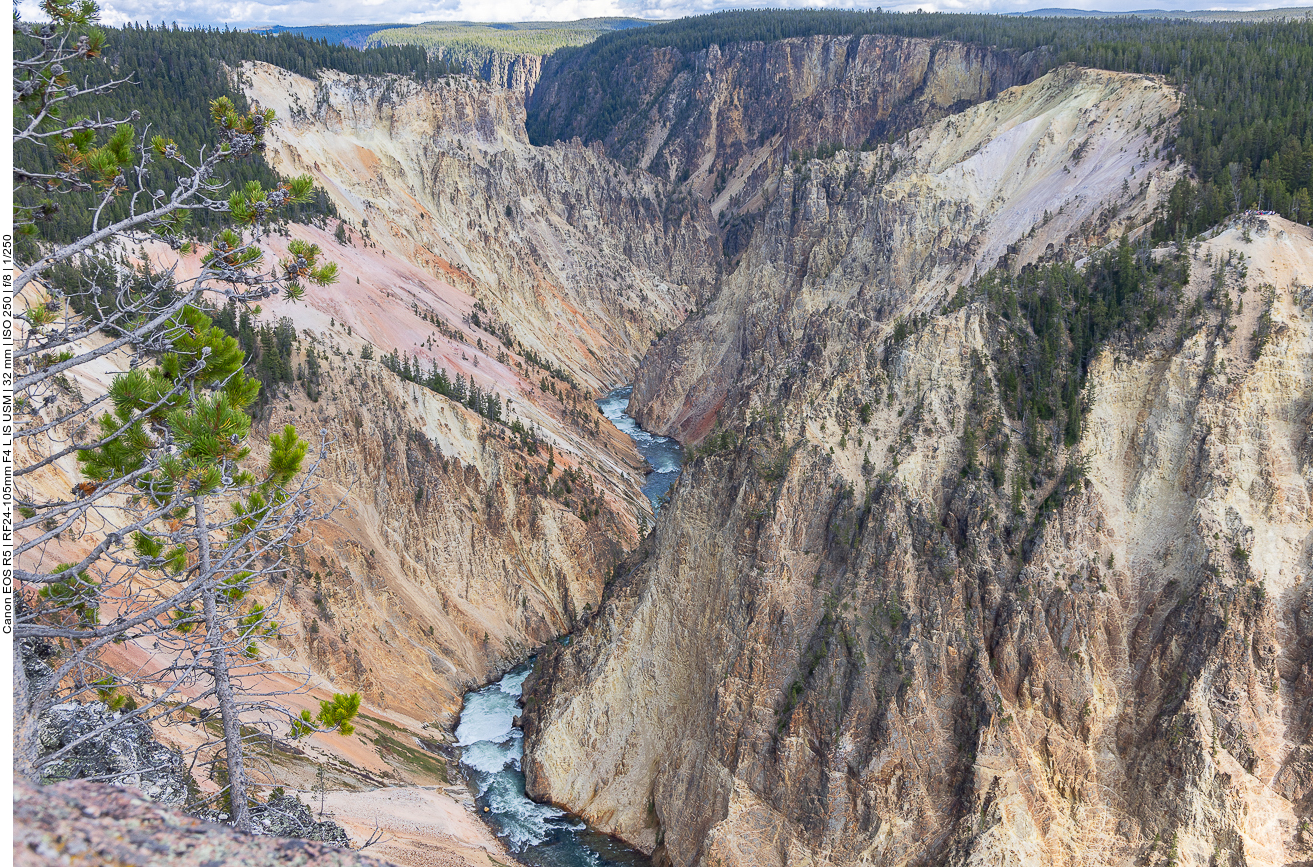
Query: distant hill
{"points": [[459, 38], [1055, 12], [352, 35], [466, 39], [1284, 14]]}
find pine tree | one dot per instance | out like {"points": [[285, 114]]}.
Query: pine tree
{"points": [[176, 530]]}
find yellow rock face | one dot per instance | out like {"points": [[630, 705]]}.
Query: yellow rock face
{"points": [[836, 651]]}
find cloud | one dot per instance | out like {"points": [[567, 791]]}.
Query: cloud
{"points": [[255, 13]]}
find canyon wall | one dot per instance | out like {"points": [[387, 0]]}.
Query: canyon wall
{"points": [[1062, 164], [440, 566], [511, 71], [583, 260], [455, 544], [843, 644], [721, 121]]}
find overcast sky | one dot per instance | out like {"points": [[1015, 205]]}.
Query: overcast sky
{"points": [[246, 13]]}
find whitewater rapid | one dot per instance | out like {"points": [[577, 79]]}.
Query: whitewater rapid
{"points": [[492, 746], [663, 454], [492, 750]]}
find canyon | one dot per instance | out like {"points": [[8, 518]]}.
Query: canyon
{"points": [[840, 641], [720, 121], [440, 547], [839, 647]]}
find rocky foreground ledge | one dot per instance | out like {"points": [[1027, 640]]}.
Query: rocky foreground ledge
{"points": [[78, 822]]}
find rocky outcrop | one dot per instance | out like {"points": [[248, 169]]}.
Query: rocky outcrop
{"points": [[78, 822], [842, 645], [512, 71], [721, 121], [123, 749], [285, 816]]}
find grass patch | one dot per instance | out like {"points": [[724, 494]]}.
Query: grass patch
{"points": [[383, 724], [393, 742], [413, 758]]}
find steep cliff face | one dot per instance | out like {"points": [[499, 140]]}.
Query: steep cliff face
{"points": [[511, 71], [582, 260], [721, 121], [843, 645], [1061, 164], [448, 558]]}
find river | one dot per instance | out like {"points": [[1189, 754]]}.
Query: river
{"points": [[663, 454], [492, 746], [492, 749]]}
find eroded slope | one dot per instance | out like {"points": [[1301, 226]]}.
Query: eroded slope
{"points": [[722, 120], [582, 260], [1060, 164], [845, 645]]}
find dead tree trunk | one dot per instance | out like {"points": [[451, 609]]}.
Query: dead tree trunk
{"points": [[229, 714]]}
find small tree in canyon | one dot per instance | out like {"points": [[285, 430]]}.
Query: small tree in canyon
{"points": [[139, 583]]}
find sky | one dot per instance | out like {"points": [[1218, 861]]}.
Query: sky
{"points": [[249, 13]]}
